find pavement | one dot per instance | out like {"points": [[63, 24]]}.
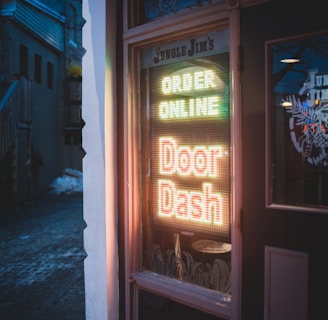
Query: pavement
{"points": [[42, 260]]}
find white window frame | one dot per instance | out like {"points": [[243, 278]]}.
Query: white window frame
{"points": [[201, 20]]}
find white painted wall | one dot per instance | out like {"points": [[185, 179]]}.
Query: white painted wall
{"points": [[99, 166]]}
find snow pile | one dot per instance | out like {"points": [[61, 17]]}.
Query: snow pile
{"points": [[70, 182]]}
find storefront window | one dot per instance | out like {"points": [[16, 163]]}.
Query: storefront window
{"points": [[157, 9], [151, 10], [297, 115], [186, 156]]}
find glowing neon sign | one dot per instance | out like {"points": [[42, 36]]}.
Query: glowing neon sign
{"points": [[184, 160], [203, 206], [186, 82], [191, 108], [189, 82], [190, 173]]}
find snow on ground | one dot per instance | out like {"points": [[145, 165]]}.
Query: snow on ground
{"points": [[70, 182]]}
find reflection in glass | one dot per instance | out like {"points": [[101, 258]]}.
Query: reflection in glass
{"points": [[299, 119], [155, 9]]}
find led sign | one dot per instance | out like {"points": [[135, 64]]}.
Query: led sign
{"points": [[191, 108], [186, 82], [191, 179], [205, 206], [189, 82], [200, 161]]}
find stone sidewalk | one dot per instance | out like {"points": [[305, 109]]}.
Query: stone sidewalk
{"points": [[42, 256]]}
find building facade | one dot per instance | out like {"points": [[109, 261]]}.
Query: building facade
{"points": [[41, 55], [205, 174], [205, 180]]}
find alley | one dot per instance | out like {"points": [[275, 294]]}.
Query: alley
{"points": [[42, 256]]}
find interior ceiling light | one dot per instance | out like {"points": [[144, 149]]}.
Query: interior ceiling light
{"points": [[286, 104], [290, 60]]}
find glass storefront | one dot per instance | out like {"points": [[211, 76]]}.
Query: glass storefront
{"points": [[186, 157]]}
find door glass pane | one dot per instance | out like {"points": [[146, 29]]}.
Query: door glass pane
{"points": [[186, 192], [298, 114]]}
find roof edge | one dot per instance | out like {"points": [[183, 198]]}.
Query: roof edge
{"points": [[44, 8]]}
